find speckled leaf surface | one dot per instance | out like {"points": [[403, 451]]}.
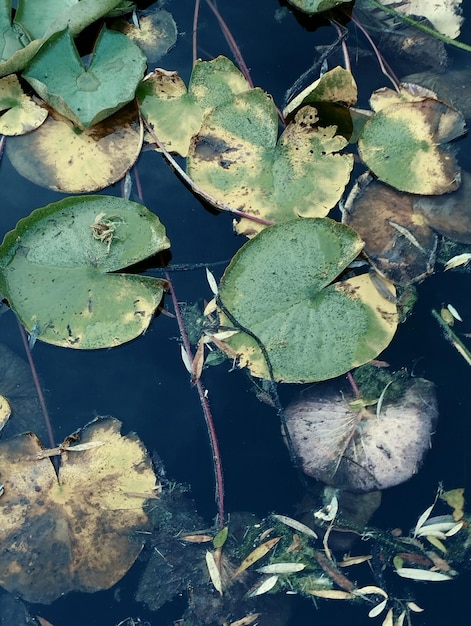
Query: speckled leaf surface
{"points": [[176, 112], [280, 287], [401, 144], [236, 157], [63, 280]]}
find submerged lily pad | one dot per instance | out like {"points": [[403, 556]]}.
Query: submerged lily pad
{"points": [[400, 143], [280, 287], [75, 531], [449, 215], [87, 95], [399, 242], [355, 449], [59, 270], [156, 34], [236, 157]]}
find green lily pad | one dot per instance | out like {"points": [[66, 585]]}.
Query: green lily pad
{"points": [[280, 286], [16, 49], [59, 271], [87, 95], [175, 112], [12, 38], [236, 157], [400, 143], [36, 17]]}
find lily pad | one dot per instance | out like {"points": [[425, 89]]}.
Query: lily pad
{"points": [[236, 157], [401, 144], [59, 270], [36, 17], [87, 95], [176, 112], [336, 85], [75, 531], [17, 49], [452, 86], [20, 114], [280, 287], [449, 215], [356, 450], [156, 34], [59, 156], [399, 241]]}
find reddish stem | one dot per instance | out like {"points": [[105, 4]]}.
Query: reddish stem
{"points": [[34, 373], [353, 385], [385, 68], [231, 42], [217, 465], [195, 30]]}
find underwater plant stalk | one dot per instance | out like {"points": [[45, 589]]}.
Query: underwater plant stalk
{"points": [[34, 373], [217, 465], [231, 42], [453, 338], [387, 71], [426, 29], [195, 30]]}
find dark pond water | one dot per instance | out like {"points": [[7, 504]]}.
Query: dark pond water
{"points": [[145, 385]]}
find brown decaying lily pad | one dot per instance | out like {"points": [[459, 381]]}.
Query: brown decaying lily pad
{"points": [[75, 531], [61, 157], [398, 241], [356, 450]]}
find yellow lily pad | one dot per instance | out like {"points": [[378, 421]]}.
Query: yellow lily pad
{"points": [[236, 157], [20, 114], [61, 157], [75, 531], [336, 85], [401, 144]]}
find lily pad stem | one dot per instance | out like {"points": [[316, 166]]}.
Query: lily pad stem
{"points": [[217, 465], [273, 388], [42, 401], [197, 190], [387, 71]]}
